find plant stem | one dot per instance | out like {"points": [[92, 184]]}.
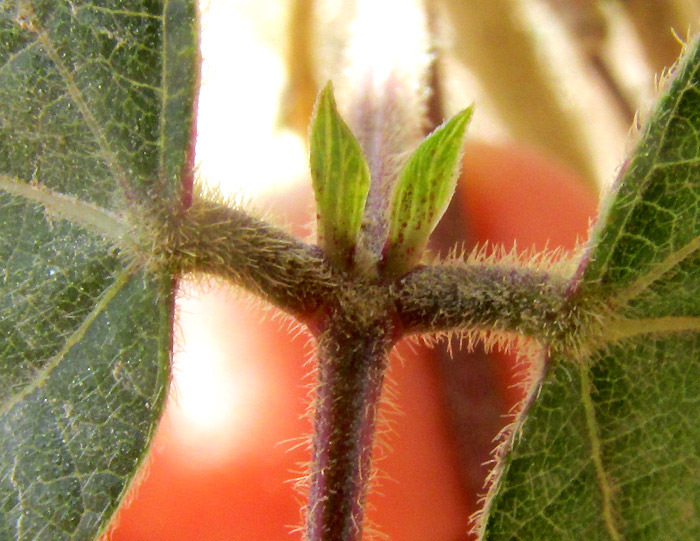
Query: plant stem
{"points": [[352, 363], [500, 298], [211, 237]]}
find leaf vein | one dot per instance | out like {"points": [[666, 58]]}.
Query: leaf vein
{"points": [[623, 329], [94, 218], [647, 177], [658, 270], [127, 12], [43, 374], [14, 56], [108, 155], [166, 90], [596, 450]]}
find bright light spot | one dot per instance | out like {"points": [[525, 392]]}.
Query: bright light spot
{"points": [[220, 392], [238, 145], [393, 41], [217, 387]]}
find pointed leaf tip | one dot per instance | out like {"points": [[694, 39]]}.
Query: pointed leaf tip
{"points": [[425, 187], [340, 177]]}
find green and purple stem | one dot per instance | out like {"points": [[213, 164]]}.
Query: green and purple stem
{"points": [[352, 362], [363, 288], [356, 322]]}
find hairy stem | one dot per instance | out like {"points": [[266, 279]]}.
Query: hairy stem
{"points": [[356, 321], [502, 298], [352, 362], [213, 238]]}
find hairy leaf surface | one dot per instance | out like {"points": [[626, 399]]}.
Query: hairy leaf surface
{"points": [[95, 112], [425, 187], [340, 178], [610, 447]]}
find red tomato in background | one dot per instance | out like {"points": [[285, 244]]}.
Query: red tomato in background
{"points": [[207, 492], [516, 194]]}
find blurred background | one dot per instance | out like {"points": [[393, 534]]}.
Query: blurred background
{"points": [[560, 87]]}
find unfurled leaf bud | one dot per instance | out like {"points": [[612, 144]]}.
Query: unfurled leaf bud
{"points": [[340, 178], [426, 185]]}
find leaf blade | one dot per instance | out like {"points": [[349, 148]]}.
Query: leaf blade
{"points": [[92, 123], [341, 180], [609, 448], [426, 185]]}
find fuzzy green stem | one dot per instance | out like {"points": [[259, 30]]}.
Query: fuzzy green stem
{"points": [[352, 363], [213, 238], [357, 321], [512, 299]]}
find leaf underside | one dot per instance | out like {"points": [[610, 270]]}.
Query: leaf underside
{"points": [[95, 104], [610, 448]]}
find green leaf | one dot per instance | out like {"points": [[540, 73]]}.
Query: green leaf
{"points": [[426, 185], [340, 178], [96, 104], [610, 447]]}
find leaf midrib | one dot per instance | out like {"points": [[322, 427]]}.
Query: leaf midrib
{"points": [[91, 217], [596, 450], [614, 329]]}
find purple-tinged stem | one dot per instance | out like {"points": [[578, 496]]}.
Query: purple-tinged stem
{"points": [[352, 363]]}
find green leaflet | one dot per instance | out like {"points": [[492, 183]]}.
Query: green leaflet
{"points": [[610, 449], [426, 185], [96, 105], [340, 178]]}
